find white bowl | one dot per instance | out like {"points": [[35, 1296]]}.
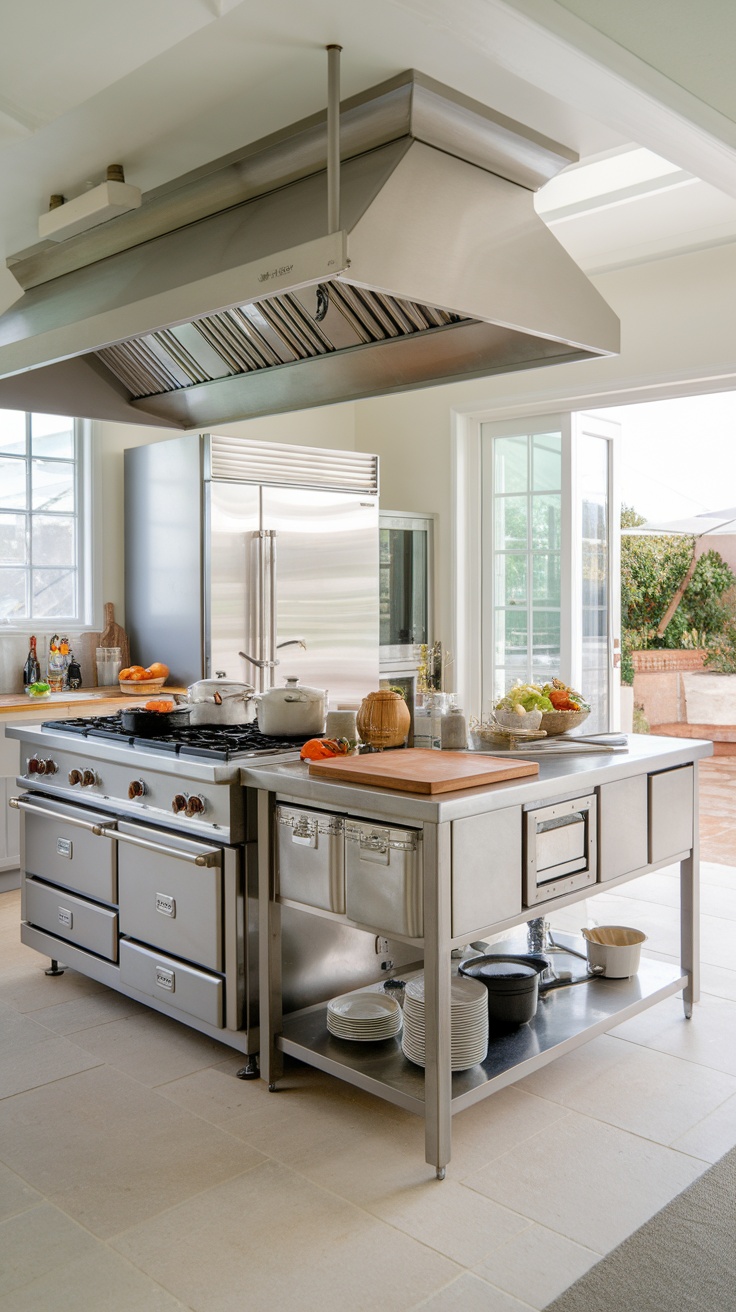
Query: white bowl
{"points": [[530, 720], [615, 948], [140, 687]]}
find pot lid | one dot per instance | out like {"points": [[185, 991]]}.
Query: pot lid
{"points": [[204, 690]]}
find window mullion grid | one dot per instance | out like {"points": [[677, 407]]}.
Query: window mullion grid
{"points": [[29, 522]]}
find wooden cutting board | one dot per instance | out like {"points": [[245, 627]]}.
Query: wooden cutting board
{"points": [[416, 770], [114, 636]]}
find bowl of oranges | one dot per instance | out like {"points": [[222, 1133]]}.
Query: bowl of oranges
{"points": [[142, 681]]}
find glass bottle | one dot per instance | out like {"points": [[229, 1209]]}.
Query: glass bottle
{"points": [[31, 669]]}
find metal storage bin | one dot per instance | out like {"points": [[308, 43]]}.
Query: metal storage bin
{"points": [[310, 857], [383, 878], [72, 918], [486, 869], [168, 980]]}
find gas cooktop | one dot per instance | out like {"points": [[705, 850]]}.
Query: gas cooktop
{"points": [[209, 742]]}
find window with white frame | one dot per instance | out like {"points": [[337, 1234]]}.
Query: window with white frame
{"points": [[42, 537]]}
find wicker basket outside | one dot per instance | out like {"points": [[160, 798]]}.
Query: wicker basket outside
{"points": [[562, 721]]}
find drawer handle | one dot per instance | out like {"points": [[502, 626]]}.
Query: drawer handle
{"points": [[18, 804], [209, 858]]}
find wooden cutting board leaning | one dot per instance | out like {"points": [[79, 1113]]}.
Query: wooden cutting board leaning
{"points": [[114, 636], [415, 770]]}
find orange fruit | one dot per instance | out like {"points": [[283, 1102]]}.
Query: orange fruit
{"points": [[137, 674], [125, 674], [158, 671]]}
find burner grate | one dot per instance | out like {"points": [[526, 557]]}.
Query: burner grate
{"points": [[209, 742]]}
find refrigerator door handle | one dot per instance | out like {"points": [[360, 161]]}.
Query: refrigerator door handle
{"points": [[269, 591]]}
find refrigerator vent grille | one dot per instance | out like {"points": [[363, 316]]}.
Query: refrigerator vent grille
{"points": [[274, 331], [240, 460]]}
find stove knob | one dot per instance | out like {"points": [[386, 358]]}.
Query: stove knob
{"points": [[136, 788], [88, 778], [195, 806], [50, 767], [179, 803], [34, 766], [75, 777]]}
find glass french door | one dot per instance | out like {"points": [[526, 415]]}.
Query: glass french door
{"points": [[548, 601]]}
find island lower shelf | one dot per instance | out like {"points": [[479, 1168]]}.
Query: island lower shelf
{"points": [[565, 1018]]}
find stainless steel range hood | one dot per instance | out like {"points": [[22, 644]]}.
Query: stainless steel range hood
{"points": [[224, 296]]}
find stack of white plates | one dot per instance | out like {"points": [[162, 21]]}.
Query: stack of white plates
{"points": [[468, 1025], [364, 1017]]}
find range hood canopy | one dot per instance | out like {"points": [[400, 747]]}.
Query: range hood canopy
{"points": [[224, 297]]}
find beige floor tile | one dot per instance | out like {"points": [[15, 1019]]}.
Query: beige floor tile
{"points": [[557, 1180], [499, 1123], [274, 1238], [15, 1195], [150, 1047], [470, 1293], [650, 1093], [719, 981], [109, 1151], [86, 1012], [537, 1265], [18, 1031], [28, 989], [43, 1062], [446, 1217], [100, 1281], [713, 1136], [37, 1243], [709, 1039]]}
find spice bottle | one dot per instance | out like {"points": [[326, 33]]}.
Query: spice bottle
{"points": [[453, 730]]}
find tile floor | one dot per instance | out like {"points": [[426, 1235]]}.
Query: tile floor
{"points": [[136, 1171]]}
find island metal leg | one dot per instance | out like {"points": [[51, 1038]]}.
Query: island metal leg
{"points": [[437, 934], [690, 912], [269, 963]]}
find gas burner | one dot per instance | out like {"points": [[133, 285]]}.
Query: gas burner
{"points": [[208, 742]]}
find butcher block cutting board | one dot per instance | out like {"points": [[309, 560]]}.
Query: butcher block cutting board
{"points": [[415, 770]]}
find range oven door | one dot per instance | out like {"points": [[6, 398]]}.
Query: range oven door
{"points": [[173, 911]]}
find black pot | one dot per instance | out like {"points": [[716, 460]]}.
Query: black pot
{"points": [[512, 984], [151, 724]]}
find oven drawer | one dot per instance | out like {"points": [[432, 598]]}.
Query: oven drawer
{"points": [[62, 852], [310, 857], [168, 901], [383, 878], [561, 849], [72, 918], [168, 980]]}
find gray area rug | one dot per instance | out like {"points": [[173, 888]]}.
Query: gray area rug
{"points": [[684, 1258]]}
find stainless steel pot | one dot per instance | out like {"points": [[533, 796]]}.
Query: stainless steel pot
{"points": [[293, 711], [218, 701]]}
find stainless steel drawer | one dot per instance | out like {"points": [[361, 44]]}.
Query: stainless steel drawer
{"points": [[310, 857], [670, 813], [168, 980], [64, 853], [622, 827], [167, 901], [83, 923], [486, 869], [561, 849], [383, 878]]}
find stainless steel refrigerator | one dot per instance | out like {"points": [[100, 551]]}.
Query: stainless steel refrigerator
{"points": [[256, 559]]}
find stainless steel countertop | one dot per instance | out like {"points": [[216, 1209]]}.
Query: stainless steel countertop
{"points": [[560, 777]]}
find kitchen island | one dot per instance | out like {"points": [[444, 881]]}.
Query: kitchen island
{"points": [[489, 860]]}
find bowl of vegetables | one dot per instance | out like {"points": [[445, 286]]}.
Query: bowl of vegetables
{"points": [[551, 707]]}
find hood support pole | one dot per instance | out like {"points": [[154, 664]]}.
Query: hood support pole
{"points": [[333, 138]]}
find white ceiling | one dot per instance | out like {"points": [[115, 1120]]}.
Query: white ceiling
{"points": [[163, 86]]}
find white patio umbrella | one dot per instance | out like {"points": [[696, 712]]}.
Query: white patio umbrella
{"points": [[697, 526]]}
